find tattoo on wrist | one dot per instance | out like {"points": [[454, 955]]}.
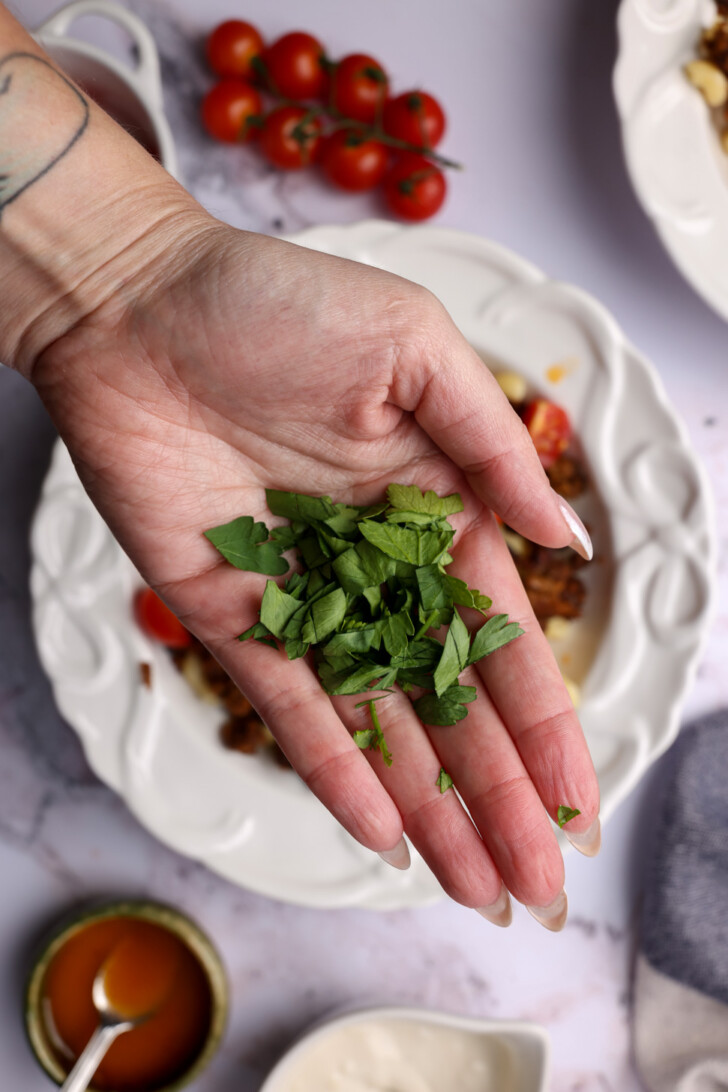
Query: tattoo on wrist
{"points": [[42, 115]]}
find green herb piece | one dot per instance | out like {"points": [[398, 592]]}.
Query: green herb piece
{"points": [[444, 781], [417, 547], [447, 709], [245, 544], [325, 616], [295, 506], [409, 498], [454, 655], [373, 738], [277, 608], [565, 814], [493, 634]]}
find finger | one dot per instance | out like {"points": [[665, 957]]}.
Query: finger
{"points": [[526, 687], [466, 414], [289, 698], [502, 800], [436, 822]]}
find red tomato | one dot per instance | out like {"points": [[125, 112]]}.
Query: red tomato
{"points": [[415, 117], [353, 162], [358, 87], [228, 108], [549, 427], [291, 137], [158, 622], [231, 47], [295, 65], [414, 188]]}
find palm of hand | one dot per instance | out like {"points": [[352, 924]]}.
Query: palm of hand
{"points": [[202, 393]]}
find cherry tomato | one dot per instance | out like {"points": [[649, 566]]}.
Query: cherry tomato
{"points": [[415, 117], [358, 87], [414, 188], [353, 162], [231, 48], [158, 622], [228, 108], [290, 137], [295, 65], [549, 427]]}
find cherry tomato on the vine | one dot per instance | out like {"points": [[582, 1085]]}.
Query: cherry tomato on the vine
{"points": [[227, 110], [353, 162], [358, 87], [549, 427], [158, 622], [414, 188], [295, 66], [290, 137], [231, 48], [415, 117]]}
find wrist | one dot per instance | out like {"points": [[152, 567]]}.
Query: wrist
{"points": [[80, 214]]}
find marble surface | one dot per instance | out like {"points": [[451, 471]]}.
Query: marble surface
{"points": [[528, 91]]}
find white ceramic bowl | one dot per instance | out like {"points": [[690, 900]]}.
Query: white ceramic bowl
{"points": [[132, 96], [671, 144], [634, 652], [520, 1051]]}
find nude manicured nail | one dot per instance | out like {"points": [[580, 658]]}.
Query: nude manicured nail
{"points": [[499, 912], [399, 857], [590, 842], [581, 541], [552, 917]]}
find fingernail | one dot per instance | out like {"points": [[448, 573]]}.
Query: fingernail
{"points": [[499, 912], [581, 541], [552, 917], [399, 857], [590, 842]]}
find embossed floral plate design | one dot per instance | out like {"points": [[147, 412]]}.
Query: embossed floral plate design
{"points": [[671, 144], [633, 653]]}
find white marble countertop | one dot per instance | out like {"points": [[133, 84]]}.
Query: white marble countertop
{"points": [[527, 87]]}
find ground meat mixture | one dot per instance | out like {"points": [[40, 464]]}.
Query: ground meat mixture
{"points": [[243, 730]]}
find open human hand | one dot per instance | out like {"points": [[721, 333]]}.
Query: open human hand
{"points": [[243, 363], [189, 366]]}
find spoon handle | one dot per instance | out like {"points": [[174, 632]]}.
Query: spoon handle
{"points": [[82, 1073]]}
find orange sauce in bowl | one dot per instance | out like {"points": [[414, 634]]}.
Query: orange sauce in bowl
{"points": [[147, 968]]}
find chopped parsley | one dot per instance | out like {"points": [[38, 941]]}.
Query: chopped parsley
{"points": [[372, 586], [565, 814]]}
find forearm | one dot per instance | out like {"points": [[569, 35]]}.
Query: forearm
{"points": [[82, 205]]}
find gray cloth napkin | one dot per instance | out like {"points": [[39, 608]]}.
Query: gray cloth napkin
{"points": [[681, 984]]}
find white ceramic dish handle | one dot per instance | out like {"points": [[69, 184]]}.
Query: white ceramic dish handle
{"points": [[146, 76]]}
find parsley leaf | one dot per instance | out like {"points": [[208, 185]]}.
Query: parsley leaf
{"points": [[444, 781], [565, 814], [409, 498], [244, 543], [493, 634]]}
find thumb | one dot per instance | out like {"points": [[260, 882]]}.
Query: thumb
{"points": [[464, 411]]}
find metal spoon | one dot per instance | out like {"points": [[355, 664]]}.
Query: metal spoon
{"points": [[112, 1022], [111, 1025]]}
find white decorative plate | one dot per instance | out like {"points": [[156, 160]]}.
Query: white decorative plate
{"points": [[634, 652], [671, 143]]}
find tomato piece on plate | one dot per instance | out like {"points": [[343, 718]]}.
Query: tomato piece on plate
{"points": [[549, 427], [228, 110], [158, 621], [231, 48], [353, 162], [295, 66]]}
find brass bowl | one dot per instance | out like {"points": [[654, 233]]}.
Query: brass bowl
{"points": [[157, 914]]}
